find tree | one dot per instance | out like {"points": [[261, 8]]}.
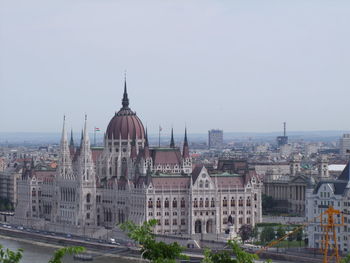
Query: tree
{"points": [[280, 232], [245, 232], [242, 256], [255, 233], [299, 235], [225, 256], [9, 256], [60, 253], [267, 234], [158, 252]]}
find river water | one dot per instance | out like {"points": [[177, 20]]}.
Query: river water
{"points": [[38, 253]]}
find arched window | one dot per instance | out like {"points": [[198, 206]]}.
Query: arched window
{"points": [[195, 203], [88, 197], [201, 202], [150, 203], [183, 203], [255, 197], [212, 203], [224, 202], [166, 203], [159, 205], [206, 184], [240, 201], [174, 203], [206, 202], [248, 201], [233, 201]]}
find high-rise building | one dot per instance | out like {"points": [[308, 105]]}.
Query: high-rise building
{"points": [[215, 138], [344, 145]]}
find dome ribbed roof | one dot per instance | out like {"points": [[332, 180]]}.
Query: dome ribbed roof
{"points": [[125, 124]]}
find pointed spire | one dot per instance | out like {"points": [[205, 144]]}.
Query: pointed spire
{"points": [[185, 151], [146, 138], [71, 143], [125, 101], [64, 134], [86, 133], [172, 143]]}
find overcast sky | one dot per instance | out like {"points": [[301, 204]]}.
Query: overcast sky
{"points": [[235, 65]]}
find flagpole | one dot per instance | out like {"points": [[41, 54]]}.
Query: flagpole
{"points": [[159, 137]]}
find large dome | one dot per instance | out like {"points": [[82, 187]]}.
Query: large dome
{"points": [[125, 124]]}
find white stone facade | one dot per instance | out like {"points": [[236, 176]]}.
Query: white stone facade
{"points": [[128, 180]]}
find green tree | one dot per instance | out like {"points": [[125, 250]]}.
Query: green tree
{"points": [[267, 234], [245, 232], [225, 256], [280, 232], [158, 252], [255, 232], [345, 259], [9, 256], [299, 235], [60, 253]]}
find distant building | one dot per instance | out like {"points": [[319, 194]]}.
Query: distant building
{"points": [[282, 140], [344, 145], [335, 193], [215, 139]]}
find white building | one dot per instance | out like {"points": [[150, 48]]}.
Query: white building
{"points": [[129, 180], [335, 193]]}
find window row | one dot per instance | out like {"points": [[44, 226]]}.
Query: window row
{"points": [[167, 203]]}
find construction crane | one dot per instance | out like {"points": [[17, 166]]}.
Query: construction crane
{"points": [[328, 224]]}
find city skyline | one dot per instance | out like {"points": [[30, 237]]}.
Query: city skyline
{"points": [[236, 66]]}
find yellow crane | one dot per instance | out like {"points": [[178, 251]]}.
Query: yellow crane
{"points": [[328, 224]]}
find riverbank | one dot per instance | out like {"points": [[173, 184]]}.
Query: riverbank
{"points": [[54, 242]]}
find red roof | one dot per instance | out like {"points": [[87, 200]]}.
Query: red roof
{"points": [[171, 182], [164, 156], [124, 125]]}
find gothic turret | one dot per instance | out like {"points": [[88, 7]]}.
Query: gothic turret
{"points": [[65, 162], [185, 151], [172, 143]]}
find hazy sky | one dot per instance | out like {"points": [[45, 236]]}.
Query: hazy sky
{"points": [[236, 65]]}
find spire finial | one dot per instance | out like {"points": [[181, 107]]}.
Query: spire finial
{"points": [[172, 143], [64, 135], [125, 101], [71, 139], [185, 140]]}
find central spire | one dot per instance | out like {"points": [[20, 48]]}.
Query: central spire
{"points": [[125, 101], [172, 143]]}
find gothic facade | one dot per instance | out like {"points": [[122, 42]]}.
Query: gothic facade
{"points": [[126, 179]]}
